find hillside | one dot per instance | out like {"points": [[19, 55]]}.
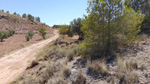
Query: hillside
{"points": [[60, 63], [19, 24]]}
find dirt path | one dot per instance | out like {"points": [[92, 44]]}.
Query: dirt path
{"points": [[13, 64]]}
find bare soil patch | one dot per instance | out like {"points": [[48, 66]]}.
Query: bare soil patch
{"points": [[18, 41]]}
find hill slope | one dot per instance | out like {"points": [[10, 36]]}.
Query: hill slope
{"points": [[19, 24]]}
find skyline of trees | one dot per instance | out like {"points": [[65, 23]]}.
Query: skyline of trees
{"points": [[24, 15]]}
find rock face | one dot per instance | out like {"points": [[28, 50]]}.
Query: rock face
{"points": [[10, 21]]}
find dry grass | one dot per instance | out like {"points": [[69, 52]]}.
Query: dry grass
{"points": [[33, 78], [142, 37], [98, 67], [66, 72], [47, 68], [127, 71], [56, 52], [80, 80], [70, 55]]}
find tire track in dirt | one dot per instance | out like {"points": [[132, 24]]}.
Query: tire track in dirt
{"points": [[14, 63]]}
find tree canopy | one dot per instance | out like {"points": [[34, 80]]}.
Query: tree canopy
{"points": [[75, 26], [144, 7], [109, 24], [30, 17]]}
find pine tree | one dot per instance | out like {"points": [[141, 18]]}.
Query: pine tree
{"points": [[30, 17], [37, 19], [144, 7], [15, 13], [7, 12], [24, 15], [75, 26], [108, 25]]}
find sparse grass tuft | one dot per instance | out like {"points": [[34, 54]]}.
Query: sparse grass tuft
{"points": [[66, 72], [80, 80], [142, 67], [131, 65], [98, 67], [49, 72], [142, 37], [127, 71], [70, 55]]}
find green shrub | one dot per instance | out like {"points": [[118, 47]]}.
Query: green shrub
{"points": [[1, 36], [27, 37], [6, 34], [12, 32], [42, 32], [30, 33], [65, 30]]}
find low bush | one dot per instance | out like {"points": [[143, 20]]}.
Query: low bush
{"points": [[6, 34], [1, 36], [31, 33], [27, 37], [12, 32], [42, 32]]}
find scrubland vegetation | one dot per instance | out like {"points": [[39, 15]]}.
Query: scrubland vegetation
{"points": [[110, 27], [102, 54], [6, 34]]}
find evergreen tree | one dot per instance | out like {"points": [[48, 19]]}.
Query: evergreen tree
{"points": [[76, 27], [37, 19], [24, 15], [144, 7], [2, 11], [30, 17], [7, 12], [15, 13], [109, 24]]}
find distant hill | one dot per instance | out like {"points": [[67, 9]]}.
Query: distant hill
{"points": [[19, 24]]}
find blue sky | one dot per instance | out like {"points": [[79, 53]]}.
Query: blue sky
{"points": [[50, 11]]}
